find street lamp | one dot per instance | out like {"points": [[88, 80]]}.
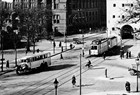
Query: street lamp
{"points": [[80, 76], [65, 37], [16, 31], [2, 57], [137, 63], [55, 85], [83, 42]]}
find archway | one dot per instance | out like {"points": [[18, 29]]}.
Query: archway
{"points": [[126, 32]]}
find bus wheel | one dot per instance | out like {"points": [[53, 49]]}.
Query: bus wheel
{"points": [[46, 66], [18, 70], [41, 68]]}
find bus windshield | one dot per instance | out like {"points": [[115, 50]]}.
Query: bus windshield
{"points": [[94, 47]]}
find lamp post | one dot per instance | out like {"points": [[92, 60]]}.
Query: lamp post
{"points": [[65, 39], [16, 31], [2, 54], [137, 63], [80, 76], [55, 85]]}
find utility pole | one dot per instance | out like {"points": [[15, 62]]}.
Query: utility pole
{"points": [[80, 76], [1, 23]]}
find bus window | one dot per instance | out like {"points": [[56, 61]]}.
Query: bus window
{"points": [[94, 47], [28, 60]]}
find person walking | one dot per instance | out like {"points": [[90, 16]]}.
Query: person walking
{"points": [[74, 81], [121, 53], [70, 46], [104, 55], [127, 86], [7, 64], [106, 73], [60, 44], [127, 54]]}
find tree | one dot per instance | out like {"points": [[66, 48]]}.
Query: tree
{"points": [[132, 14]]}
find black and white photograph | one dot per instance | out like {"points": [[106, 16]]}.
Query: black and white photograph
{"points": [[69, 47]]}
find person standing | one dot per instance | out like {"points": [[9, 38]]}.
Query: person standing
{"points": [[106, 73], [60, 44], [127, 86], [7, 64], [104, 55], [74, 81], [129, 54]]}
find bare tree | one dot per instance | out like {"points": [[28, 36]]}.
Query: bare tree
{"points": [[132, 14]]}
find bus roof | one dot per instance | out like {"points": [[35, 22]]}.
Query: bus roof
{"points": [[33, 55]]}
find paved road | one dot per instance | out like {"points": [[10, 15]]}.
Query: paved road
{"points": [[93, 80]]}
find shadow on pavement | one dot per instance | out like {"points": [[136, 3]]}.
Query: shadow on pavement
{"points": [[85, 85], [59, 67], [52, 68]]}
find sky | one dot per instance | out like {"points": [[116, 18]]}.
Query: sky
{"points": [[8, 0]]}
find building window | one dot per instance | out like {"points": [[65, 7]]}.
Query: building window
{"points": [[114, 5], [56, 19], [131, 5], [56, 4]]}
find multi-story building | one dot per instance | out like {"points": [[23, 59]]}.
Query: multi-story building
{"points": [[71, 15], [117, 11], [5, 5], [28, 3]]}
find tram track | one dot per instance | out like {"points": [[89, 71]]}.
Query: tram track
{"points": [[47, 82], [49, 79]]}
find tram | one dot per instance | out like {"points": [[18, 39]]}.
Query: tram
{"points": [[40, 60], [99, 46]]}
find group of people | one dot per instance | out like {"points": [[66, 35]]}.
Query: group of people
{"points": [[128, 54]]}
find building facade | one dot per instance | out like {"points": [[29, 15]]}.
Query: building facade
{"points": [[71, 15], [29, 3], [116, 12]]}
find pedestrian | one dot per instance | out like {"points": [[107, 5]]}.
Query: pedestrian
{"points": [[7, 64], [37, 50], [127, 86], [129, 54], [74, 81], [121, 53], [62, 49], [70, 46], [104, 55], [26, 51], [60, 44], [106, 73]]}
